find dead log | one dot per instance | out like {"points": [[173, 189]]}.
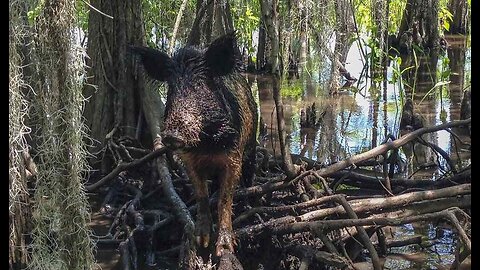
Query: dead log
{"points": [[414, 240], [359, 206]]}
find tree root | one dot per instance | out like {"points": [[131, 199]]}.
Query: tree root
{"points": [[305, 216]]}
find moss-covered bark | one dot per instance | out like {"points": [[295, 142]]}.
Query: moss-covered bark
{"points": [[61, 237], [19, 208]]}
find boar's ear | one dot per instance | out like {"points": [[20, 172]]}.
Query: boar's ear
{"points": [[157, 64], [223, 56]]}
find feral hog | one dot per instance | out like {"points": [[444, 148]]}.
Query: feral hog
{"points": [[211, 121]]}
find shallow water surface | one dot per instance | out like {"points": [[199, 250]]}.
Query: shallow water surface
{"points": [[363, 116]]}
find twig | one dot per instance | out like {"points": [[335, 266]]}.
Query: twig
{"points": [[125, 166], [94, 8], [361, 180], [181, 210]]}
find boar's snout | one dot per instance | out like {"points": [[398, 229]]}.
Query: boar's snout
{"points": [[172, 140]]}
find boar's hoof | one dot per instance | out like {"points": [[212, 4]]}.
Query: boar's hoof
{"points": [[225, 242], [202, 231]]}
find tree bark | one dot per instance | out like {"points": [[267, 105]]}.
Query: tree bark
{"points": [[114, 103], [461, 17], [213, 19], [19, 214], [60, 234], [420, 24], [269, 10]]}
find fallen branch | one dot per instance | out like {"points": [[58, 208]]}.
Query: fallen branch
{"points": [[410, 214], [125, 166], [359, 206], [383, 148], [414, 240], [357, 179]]}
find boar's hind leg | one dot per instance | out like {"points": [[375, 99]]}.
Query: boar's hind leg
{"points": [[203, 224], [228, 182]]}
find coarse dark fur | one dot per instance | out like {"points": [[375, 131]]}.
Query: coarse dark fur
{"points": [[211, 120]]}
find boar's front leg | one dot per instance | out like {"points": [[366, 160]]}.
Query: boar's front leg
{"points": [[228, 181], [203, 223]]}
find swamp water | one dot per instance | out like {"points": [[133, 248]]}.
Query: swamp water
{"points": [[360, 118]]}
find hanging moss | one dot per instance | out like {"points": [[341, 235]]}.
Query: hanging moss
{"points": [[61, 237], [18, 193]]}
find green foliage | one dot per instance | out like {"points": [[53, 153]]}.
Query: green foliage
{"points": [[246, 19], [443, 70], [363, 15], [293, 89], [395, 14], [159, 18], [35, 12], [397, 72], [82, 11], [438, 85], [445, 17]]}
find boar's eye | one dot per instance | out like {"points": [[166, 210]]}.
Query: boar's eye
{"points": [[223, 56], [157, 64]]}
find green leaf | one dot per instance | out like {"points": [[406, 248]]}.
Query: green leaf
{"points": [[443, 115], [438, 84]]}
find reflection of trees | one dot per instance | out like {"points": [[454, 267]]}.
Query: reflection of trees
{"points": [[328, 143], [418, 82], [307, 141], [456, 55], [268, 114]]}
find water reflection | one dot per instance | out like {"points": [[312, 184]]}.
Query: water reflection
{"points": [[352, 122], [359, 119]]}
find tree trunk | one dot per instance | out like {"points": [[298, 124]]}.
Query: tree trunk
{"points": [[343, 32], [303, 12], [287, 27], [269, 10], [19, 214], [288, 166], [420, 24], [380, 17], [262, 45], [461, 17], [176, 26], [114, 104], [213, 19], [60, 234]]}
